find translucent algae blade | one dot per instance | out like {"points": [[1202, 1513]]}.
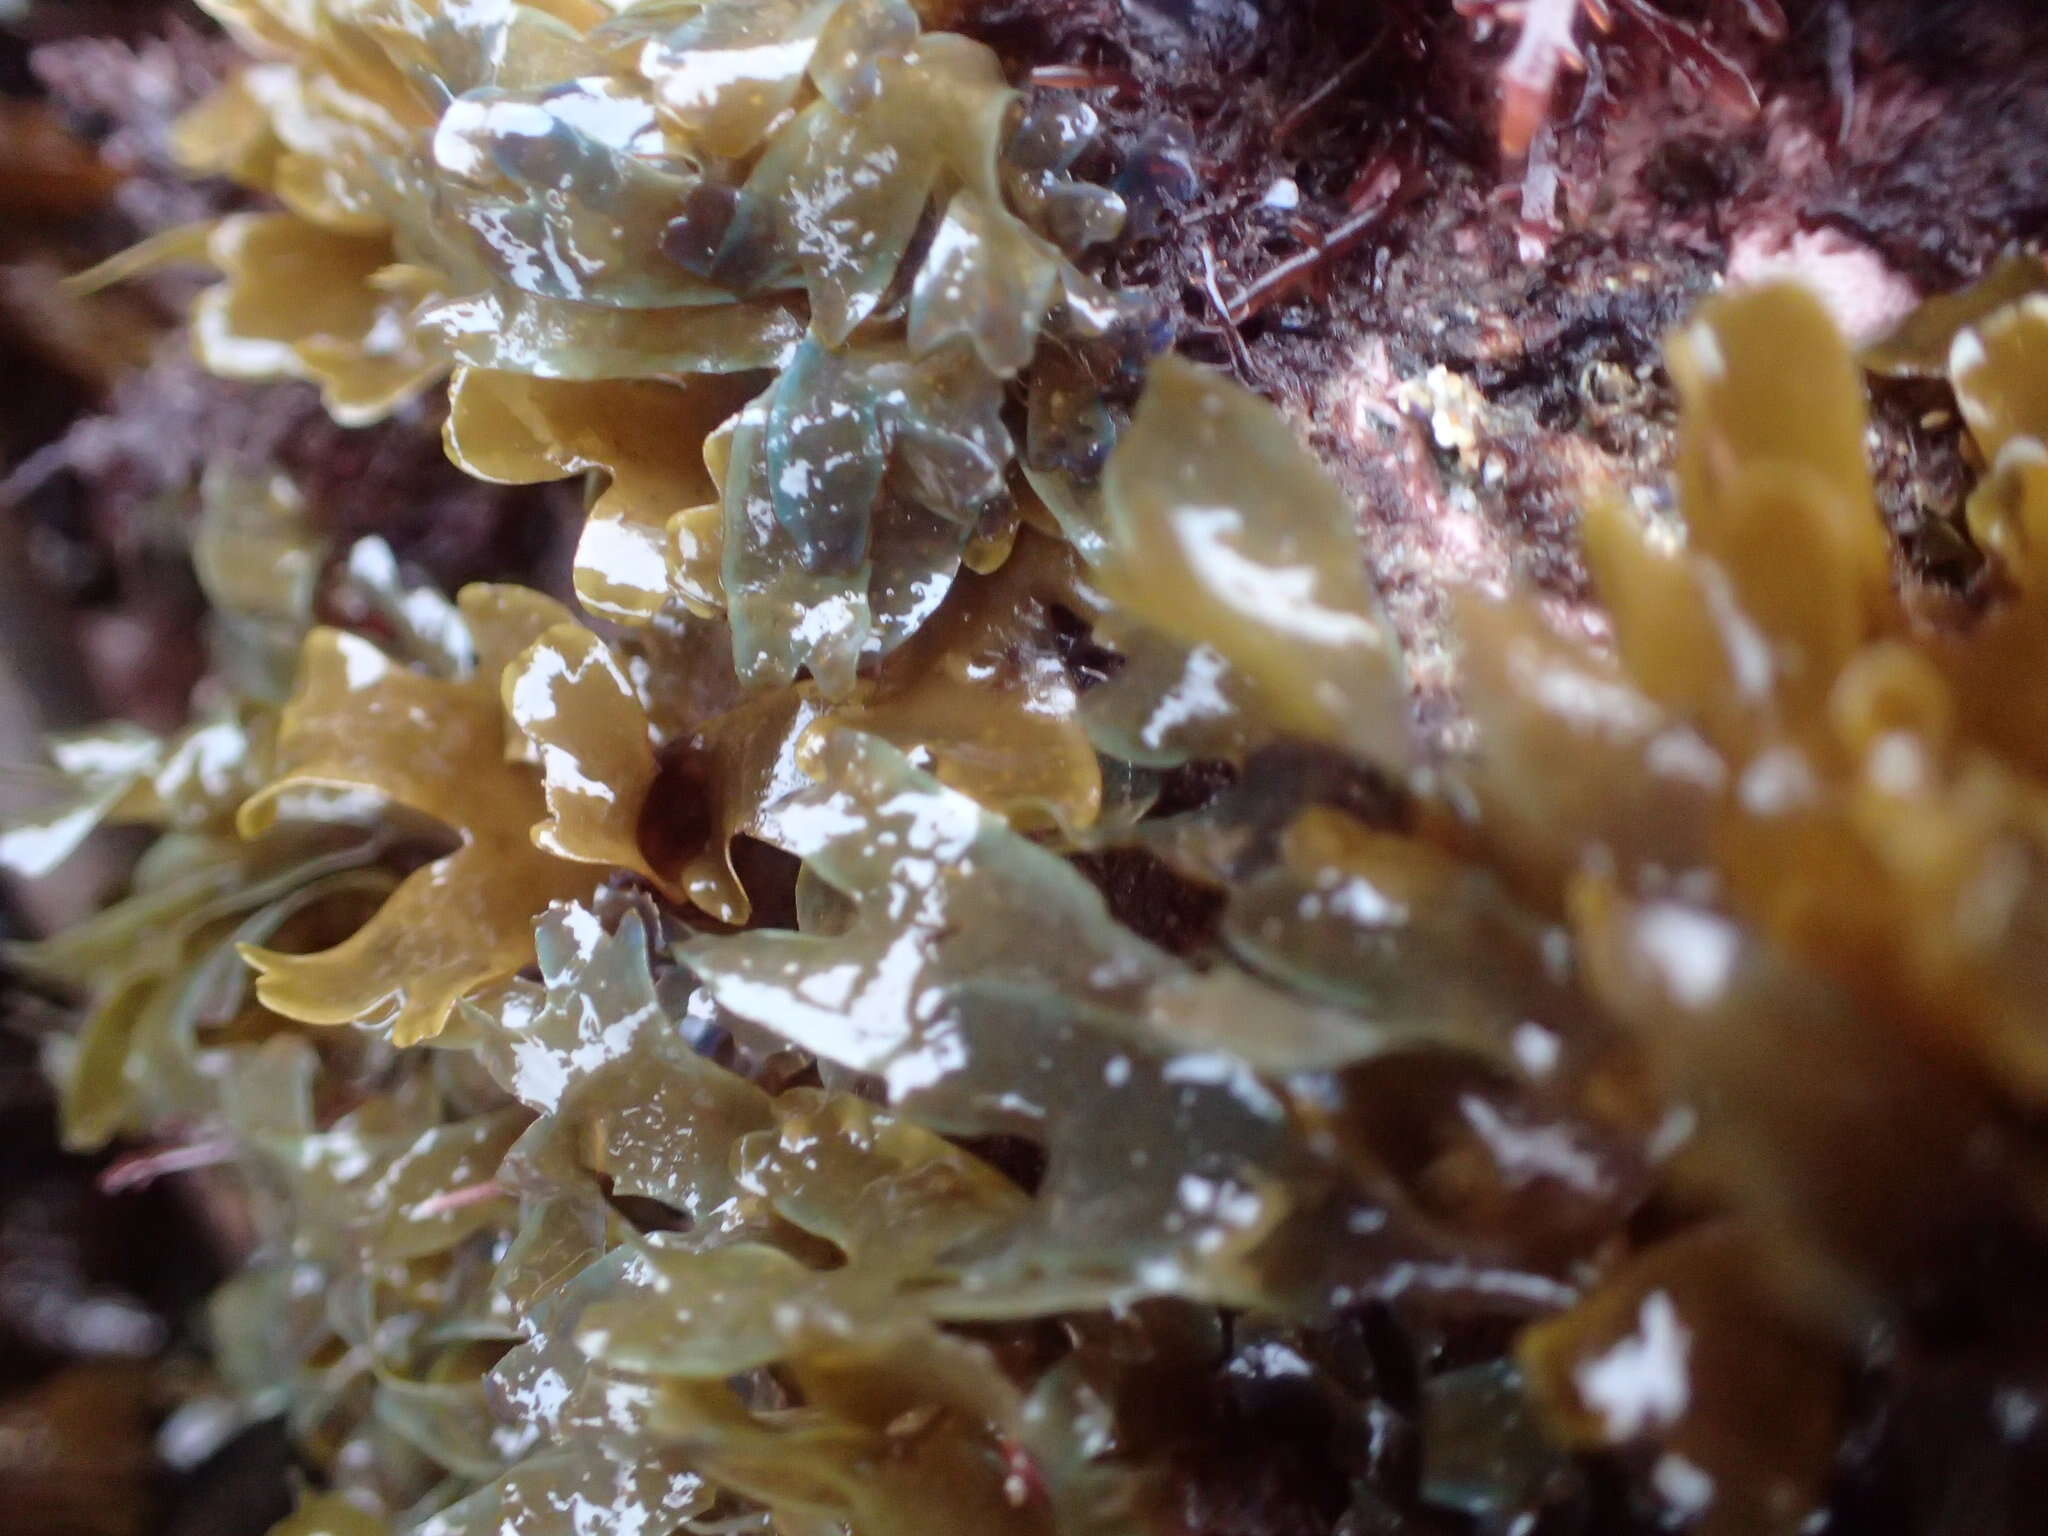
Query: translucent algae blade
{"points": [[987, 279], [553, 339], [1224, 531], [844, 196], [622, 1097], [1173, 1168], [1770, 388], [981, 692], [512, 428], [567, 190], [1998, 368], [783, 616], [1921, 346], [1684, 1344], [329, 1514], [568, 696], [823, 457], [299, 301], [647, 1486], [358, 721], [723, 71], [925, 856]]}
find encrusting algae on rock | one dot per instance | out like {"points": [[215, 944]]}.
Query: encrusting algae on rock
{"points": [[949, 990]]}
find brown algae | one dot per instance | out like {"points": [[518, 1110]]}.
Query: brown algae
{"points": [[1663, 1077]]}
